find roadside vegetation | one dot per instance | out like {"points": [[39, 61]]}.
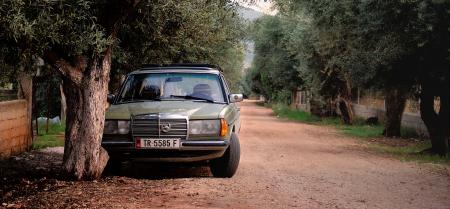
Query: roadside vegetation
{"points": [[333, 49], [409, 147], [53, 138]]}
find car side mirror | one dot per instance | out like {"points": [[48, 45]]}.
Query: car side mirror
{"points": [[236, 98], [111, 98]]}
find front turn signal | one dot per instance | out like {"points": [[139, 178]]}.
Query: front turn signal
{"points": [[223, 127]]}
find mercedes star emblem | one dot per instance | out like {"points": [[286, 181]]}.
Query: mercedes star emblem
{"points": [[165, 127]]}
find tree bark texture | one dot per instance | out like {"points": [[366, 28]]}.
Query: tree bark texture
{"points": [[84, 157], [395, 100], [63, 103], [437, 123], [26, 92]]}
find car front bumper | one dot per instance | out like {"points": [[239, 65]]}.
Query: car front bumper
{"points": [[189, 151]]}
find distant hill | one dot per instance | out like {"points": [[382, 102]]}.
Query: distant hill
{"points": [[249, 14]]}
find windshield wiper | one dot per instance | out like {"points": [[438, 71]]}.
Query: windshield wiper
{"points": [[140, 100], [192, 97]]}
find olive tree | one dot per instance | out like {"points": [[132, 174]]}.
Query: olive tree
{"points": [[82, 38]]}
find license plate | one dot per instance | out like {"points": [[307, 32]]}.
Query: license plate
{"points": [[149, 143]]}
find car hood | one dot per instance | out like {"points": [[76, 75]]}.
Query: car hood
{"points": [[193, 109]]}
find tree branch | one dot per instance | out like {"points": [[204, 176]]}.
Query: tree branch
{"points": [[73, 73]]}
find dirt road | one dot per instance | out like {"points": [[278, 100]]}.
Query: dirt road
{"points": [[283, 165], [288, 165]]}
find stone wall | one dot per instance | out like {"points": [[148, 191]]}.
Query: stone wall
{"points": [[370, 105], [14, 128], [410, 120], [365, 111]]}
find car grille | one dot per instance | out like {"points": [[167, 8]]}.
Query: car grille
{"points": [[153, 126]]}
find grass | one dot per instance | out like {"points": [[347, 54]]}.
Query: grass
{"points": [[54, 137], [409, 149], [286, 112], [412, 152], [45, 141], [362, 131], [358, 129]]}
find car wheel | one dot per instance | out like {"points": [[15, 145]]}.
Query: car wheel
{"points": [[227, 165]]}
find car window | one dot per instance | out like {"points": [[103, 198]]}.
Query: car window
{"points": [[152, 86]]}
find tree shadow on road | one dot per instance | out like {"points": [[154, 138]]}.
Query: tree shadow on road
{"points": [[28, 174], [35, 180], [141, 170]]}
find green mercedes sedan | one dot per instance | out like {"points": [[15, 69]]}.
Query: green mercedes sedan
{"points": [[175, 113]]}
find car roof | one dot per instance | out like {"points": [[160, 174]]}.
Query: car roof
{"points": [[178, 68]]}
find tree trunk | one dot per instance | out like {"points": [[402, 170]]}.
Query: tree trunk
{"points": [[344, 101], [86, 89], [63, 104], [26, 92], [346, 110], [294, 99], [84, 158], [395, 105], [438, 124]]}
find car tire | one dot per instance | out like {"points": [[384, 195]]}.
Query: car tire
{"points": [[227, 165]]}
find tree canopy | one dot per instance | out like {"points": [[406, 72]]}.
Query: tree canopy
{"points": [[273, 71]]}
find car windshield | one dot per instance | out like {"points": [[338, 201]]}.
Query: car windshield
{"points": [[172, 86]]}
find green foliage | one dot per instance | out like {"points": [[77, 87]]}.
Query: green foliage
{"points": [[194, 31], [155, 31], [272, 73], [371, 44], [72, 25], [246, 85]]}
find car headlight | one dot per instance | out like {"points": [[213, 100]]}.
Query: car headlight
{"points": [[204, 127], [116, 127]]}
